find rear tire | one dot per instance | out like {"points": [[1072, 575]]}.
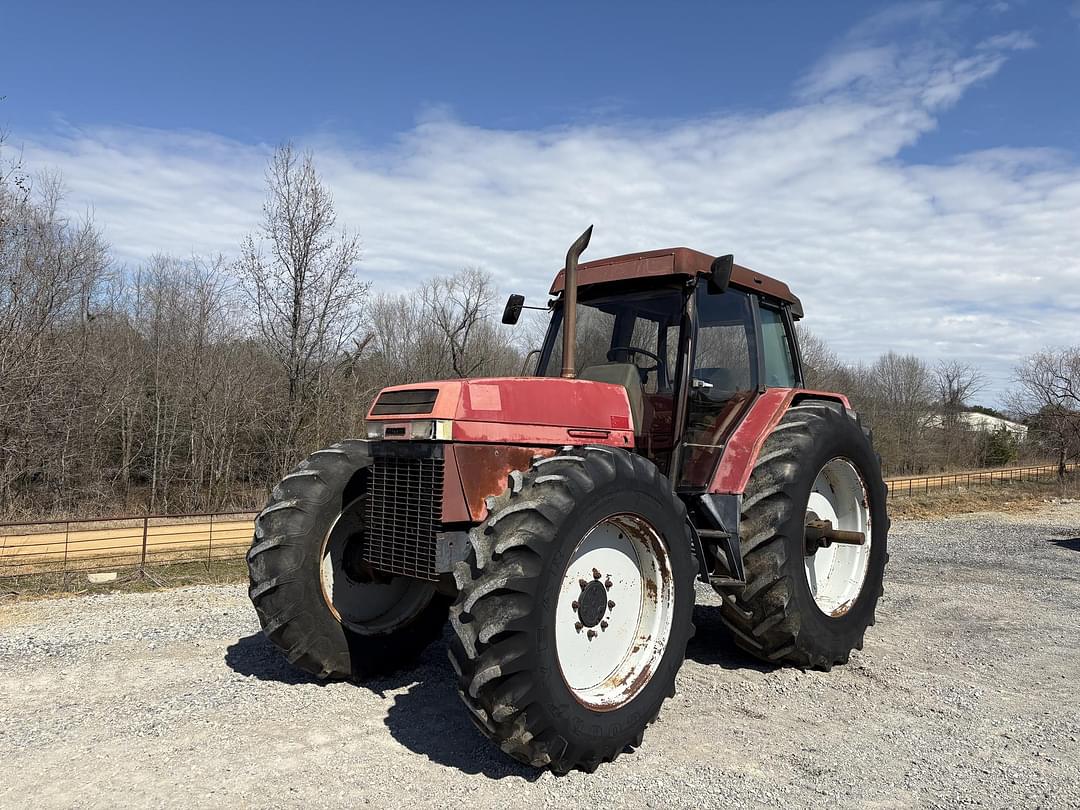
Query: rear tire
{"points": [[539, 567], [779, 616], [330, 623]]}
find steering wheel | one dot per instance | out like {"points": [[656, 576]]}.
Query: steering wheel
{"points": [[660, 367]]}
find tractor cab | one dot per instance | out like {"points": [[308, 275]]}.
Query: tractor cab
{"points": [[691, 352]]}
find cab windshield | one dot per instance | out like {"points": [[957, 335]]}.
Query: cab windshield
{"points": [[641, 328], [633, 338]]}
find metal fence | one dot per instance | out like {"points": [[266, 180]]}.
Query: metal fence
{"points": [[139, 543], [914, 485], [124, 543]]}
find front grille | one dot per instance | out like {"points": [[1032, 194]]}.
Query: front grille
{"points": [[403, 510]]}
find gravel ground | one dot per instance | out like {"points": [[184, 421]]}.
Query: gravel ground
{"points": [[966, 695]]}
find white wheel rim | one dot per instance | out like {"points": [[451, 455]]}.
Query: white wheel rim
{"points": [[366, 608], [607, 658], [836, 574]]}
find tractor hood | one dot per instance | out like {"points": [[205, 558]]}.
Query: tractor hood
{"points": [[512, 410]]}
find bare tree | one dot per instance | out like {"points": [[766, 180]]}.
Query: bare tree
{"points": [[49, 267], [1048, 400], [956, 384], [300, 274], [820, 363], [459, 308]]}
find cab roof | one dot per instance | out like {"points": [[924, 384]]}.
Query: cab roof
{"points": [[679, 261]]}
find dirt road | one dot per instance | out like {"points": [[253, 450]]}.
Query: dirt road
{"points": [[967, 695]]}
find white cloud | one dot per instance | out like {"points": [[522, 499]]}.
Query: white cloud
{"points": [[977, 259]]}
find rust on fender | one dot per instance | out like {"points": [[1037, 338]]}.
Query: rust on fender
{"points": [[487, 467]]}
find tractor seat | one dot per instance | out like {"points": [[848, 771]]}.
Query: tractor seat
{"points": [[626, 375]]}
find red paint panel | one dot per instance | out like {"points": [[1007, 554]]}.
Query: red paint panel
{"points": [[742, 449], [503, 433], [543, 401], [526, 402]]}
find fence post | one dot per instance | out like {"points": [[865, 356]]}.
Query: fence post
{"points": [[210, 545], [67, 542], [145, 532]]}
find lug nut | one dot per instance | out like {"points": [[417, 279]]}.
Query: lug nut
{"points": [[610, 604], [582, 583], [578, 626], [574, 605], [603, 625], [596, 574], [608, 583], [592, 635]]}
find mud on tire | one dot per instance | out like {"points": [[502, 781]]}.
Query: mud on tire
{"points": [[284, 561], [504, 645], [775, 617]]}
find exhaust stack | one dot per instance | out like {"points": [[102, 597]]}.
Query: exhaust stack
{"points": [[569, 338]]}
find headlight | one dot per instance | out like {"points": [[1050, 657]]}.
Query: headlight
{"points": [[439, 430]]}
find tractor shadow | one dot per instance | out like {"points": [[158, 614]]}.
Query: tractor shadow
{"points": [[1071, 543], [426, 715], [713, 644], [255, 656], [429, 719]]}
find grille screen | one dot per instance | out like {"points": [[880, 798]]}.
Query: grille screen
{"points": [[419, 400], [403, 509]]}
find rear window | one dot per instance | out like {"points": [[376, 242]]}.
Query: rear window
{"points": [[779, 364]]}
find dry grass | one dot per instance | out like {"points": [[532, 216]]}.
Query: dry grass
{"points": [[175, 575], [1012, 496]]}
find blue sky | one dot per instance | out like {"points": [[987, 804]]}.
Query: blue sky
{"points": [[920, 159], [261, 71]]}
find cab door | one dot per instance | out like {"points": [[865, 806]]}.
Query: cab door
{"points": [[724, 372]]}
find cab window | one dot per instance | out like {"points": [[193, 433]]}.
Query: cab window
{"points": [[775, 344]]}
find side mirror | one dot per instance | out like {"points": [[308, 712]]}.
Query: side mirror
{"points": [[512, 310], [720, 274]]}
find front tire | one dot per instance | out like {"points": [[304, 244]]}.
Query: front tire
{"points": [[330, 613], [574, 609]]}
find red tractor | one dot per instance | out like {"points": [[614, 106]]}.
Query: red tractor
{"points": [[560, 520]]}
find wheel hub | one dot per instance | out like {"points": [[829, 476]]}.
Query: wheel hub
{"points": [[607, 652], [592, 604], [838, 541]]}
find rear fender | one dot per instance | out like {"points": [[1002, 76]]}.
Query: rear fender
{"points": [[718, 510], [742, 449]]}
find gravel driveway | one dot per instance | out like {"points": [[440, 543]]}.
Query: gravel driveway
{"points": [[966, 695]]}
